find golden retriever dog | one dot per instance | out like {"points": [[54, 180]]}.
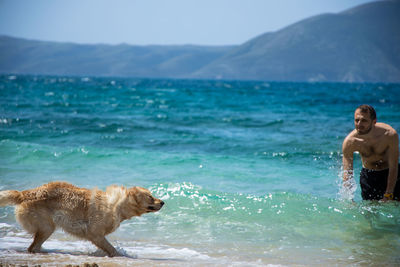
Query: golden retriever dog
{"points": [[84, 213]]}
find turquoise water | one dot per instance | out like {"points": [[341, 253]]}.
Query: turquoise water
{"points": [[249, 171]]}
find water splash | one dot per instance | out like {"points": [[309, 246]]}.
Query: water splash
{"points": [[347, 189]]}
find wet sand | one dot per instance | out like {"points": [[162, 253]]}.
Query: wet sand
{"points": [[20, 259]]}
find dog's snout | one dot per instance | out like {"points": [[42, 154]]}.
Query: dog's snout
{"points": [[162, 203]]}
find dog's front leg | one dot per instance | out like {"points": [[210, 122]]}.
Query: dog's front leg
{"points": [[102, 243]]}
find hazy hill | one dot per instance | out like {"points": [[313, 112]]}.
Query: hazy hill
{"points": [[360, 44], [38, 57]]}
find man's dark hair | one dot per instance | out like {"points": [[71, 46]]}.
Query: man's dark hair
{"points": [[368, 109]]}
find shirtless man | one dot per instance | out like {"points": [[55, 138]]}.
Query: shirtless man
{"points": [[378, 145]]}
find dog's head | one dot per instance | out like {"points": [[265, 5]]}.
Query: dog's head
{"points": [[143, 200]]}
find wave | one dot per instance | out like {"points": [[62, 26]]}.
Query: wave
{"points": [[196, 204], [75, 252]]}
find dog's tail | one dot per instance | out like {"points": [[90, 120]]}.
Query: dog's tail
{"points": [[10, 197]]}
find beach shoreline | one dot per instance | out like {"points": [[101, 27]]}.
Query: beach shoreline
{"points": [[65, 260]]}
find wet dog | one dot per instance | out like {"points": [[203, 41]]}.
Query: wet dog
{"points": [[84, 213]]}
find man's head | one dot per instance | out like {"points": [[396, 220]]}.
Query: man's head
{"points": [[364, 119]]}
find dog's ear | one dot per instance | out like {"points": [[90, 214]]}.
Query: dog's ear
{"points": [[132, 193], [132, 190]]}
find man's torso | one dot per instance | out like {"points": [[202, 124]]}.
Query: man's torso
{"points": [[373, 148]]}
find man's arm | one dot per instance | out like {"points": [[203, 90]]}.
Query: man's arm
{"points": [[393, 163], [347, 162]]}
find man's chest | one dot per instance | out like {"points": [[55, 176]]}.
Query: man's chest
{"points": [[372, 148]]}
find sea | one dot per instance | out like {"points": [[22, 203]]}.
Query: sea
{"points": [[250, 171]]}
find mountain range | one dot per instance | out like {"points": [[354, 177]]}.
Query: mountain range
{"points": [[361, 44]]}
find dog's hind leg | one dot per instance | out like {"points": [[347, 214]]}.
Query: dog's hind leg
{"points": [[37, 222], [102, 243], [39, 238]]}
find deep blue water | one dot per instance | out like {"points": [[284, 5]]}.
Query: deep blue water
{"points": [[255, 164]]}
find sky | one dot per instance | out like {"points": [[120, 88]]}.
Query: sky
{"points": [[159, 22]]}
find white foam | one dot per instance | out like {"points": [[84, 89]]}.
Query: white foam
{"points": [[165, 252], [14, 243], [20, 241], [6, 225], [65, 250]]}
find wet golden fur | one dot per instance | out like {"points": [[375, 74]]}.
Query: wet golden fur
{"points": [[87, 214]]}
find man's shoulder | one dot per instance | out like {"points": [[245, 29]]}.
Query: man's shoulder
{"points": [[350, 139], [351, 136], [388, 130]]}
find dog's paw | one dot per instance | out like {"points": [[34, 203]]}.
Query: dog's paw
{"points": [[123, 253], [98, 253]]}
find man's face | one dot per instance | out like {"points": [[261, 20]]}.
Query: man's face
{"points": [[363, 122]]}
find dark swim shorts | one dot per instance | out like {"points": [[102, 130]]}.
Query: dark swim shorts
{"points": [[373, 184]]}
